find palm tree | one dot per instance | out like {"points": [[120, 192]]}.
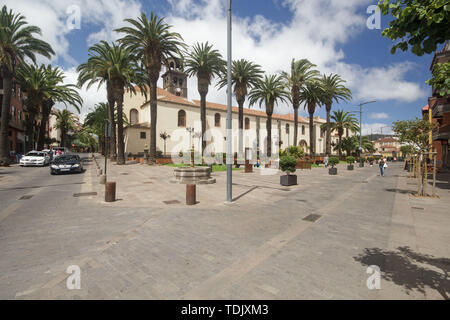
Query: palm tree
{"points": [[65, 121], [244, 76], [312, 95], [204, 62], [269, 91], [56, 92], [164, 135], [334, 91], [95, 121], [301, 72], [153, 43], [43, 88], [118, 67], [17, 41], [342, 120]]}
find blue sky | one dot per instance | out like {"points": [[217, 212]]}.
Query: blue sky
{"points": [[331, 33]]}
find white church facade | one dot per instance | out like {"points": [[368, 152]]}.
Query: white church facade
{"points": [[180, 119]]}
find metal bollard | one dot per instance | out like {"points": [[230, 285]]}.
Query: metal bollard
{"points": [[191, 194], [110, 192]]}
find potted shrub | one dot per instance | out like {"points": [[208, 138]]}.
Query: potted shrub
{"points": [[333, 161], [350, 161], [288, 164]]}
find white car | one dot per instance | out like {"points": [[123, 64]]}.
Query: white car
{"points": [[35, 158]]}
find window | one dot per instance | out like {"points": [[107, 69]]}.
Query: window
{"points": [[134, 116], [303, 130], [247, 124], [182, 118], [287, 128], [217, 120], [143, 135]]}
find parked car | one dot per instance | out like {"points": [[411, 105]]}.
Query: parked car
{"points": [[35, 158], [59, 151], [49, 152], [66, 164]]}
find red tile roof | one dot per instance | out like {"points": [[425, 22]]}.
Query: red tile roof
{"points": [[166, 96]]}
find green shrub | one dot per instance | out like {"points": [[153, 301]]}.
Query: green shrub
{"points": [[350, 159], [296, 152], [371, 159], [283, 153], [333, 161], [288, 164], [376, 158], [180, 154]]}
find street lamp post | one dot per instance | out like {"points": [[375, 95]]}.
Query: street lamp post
{"points": [[360, 131], [229, 113]]}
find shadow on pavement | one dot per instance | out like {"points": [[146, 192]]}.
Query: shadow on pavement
{"points": [[400, 191], [411, 270]]}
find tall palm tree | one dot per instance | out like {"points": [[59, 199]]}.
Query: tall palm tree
{"points": [[17, 41], [269, 91], [65, 121], [204, 62], [118, 67], [312, 95], [342, 120], [334, 91], [244, 76], [95, 121], [153, 42], [301, 72], [58, 92], [43, 88]]}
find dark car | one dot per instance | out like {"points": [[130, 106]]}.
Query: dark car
{"points": [[66, 164]]}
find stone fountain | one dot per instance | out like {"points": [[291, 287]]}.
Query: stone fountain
{"points": [[191, 176]]}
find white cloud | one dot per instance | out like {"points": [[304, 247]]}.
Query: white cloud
{"points": [[51, 16], [376, 128], [379, 116], [313, 33]]}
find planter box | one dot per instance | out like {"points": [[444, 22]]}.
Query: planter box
{"points": [[288, 180], [332, 171], [350, 167]]}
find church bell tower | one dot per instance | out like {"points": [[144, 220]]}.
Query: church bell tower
{"points": [[174, 79]]}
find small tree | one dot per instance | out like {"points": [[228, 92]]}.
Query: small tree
{"points": [[350, 159], [164, 135], [416, 134], [296, 152], [288, 164], [333, 161]]}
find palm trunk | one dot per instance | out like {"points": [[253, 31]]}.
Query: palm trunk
{"points": [[311, 110], [112, 121], [63, 136], [153, 118], [120, 142], [46, 109], [203, 120], [295, 126], [4, 126], [340, 147], [29, 145], [328, 149], [269, 135], [241, 129]]}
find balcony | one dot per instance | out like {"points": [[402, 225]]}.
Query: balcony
{"points": [[442, 133], [440, 106]]}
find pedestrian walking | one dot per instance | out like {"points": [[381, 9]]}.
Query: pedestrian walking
{"points": [[383, 166]]}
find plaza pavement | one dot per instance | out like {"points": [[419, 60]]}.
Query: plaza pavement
{"points": [[149, 245]]}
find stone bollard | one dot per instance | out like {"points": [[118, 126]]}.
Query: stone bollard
{"points": [[191, 194], [110, 192], [102, 179]]}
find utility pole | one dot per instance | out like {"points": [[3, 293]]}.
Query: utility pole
{"points": [[229, 113]]}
